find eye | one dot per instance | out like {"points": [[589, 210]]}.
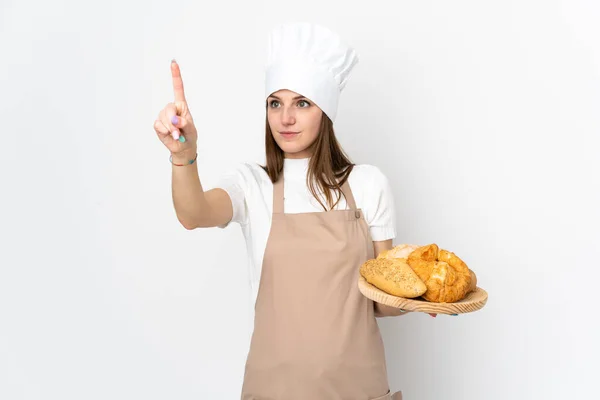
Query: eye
{"points": [[307, 104], [274, 103]]}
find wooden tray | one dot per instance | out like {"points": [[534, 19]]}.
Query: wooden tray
{"points": [[472, 302]]}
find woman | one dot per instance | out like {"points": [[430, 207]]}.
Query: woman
{"points": [[315, 336]]}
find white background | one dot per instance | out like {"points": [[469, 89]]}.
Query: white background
{"points": [[484, 116]]}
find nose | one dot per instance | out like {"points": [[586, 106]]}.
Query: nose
{"points": [[288, 116]]}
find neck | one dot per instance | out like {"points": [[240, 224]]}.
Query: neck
{"points": [[296, 156]]}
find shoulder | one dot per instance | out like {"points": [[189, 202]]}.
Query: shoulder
{"points": [[368, 175], [373, 194], [366, 169], [248, 173], [370, 186], [248, 168], [245, 184]]}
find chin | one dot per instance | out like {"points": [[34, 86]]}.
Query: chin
{"points": [[294, 152], [291, 148]]}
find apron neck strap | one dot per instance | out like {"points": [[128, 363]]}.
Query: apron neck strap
{"points": [[349, 196], [278, 195]]}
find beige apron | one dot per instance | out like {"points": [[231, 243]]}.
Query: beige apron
{"points": [[315, 335]]}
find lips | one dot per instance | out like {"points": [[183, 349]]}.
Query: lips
{"points": [[288, 134]]}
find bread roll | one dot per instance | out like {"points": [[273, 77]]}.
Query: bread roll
{"points": [[393, 276], [447, 277], [473, 284], [400, 251]]}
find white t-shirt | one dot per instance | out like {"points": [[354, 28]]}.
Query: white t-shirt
{"points": [[251, 193]]}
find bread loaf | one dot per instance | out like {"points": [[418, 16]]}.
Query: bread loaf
{"points": [[393, 276]]}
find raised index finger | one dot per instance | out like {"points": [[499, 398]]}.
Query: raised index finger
{"points": [[177, 81]]}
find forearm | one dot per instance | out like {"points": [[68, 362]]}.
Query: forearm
{"points": [[381, 310], [187, 191]]}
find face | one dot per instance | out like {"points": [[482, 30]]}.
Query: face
{"points": [[294, 122]]}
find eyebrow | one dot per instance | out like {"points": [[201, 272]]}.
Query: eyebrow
{"points": [[295, 98]]}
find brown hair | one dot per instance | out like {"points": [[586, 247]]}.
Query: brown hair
{"points": [[329, 166]]}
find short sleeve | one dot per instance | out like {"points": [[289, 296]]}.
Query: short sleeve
{"points": [[379, 207], [235, 184]]}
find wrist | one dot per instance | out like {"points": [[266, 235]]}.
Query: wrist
{"points": [[183, 157]]}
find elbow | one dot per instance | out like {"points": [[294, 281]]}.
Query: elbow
{"points": [[188, 224], [189, 227]]}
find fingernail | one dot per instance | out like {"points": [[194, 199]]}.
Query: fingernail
{"points": [[173, 60], [182, 139], [175, 134], [174, 120]]}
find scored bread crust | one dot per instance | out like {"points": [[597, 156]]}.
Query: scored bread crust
{"points": [[393, 276]]}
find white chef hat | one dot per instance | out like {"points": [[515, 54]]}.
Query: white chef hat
{"points": [[310, 60]]}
